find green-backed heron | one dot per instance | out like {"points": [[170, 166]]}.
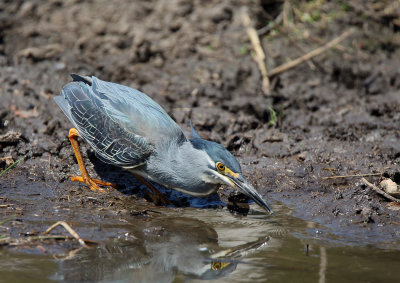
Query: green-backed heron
{"points": [[126, 128]]}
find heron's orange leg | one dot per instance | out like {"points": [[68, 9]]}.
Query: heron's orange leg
{"points": [[156, 196], [85, 178]]}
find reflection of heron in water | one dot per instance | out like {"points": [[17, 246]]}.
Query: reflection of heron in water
{"points": [[159, 251]]}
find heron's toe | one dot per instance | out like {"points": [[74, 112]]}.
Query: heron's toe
{"points": [[93, 184]]}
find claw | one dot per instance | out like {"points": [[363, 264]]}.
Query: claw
{"points": [[93, 183], [85, 178]]}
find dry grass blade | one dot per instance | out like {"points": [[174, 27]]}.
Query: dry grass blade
{"points": [[69, 229]]}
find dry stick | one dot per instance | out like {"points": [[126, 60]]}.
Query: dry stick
{"points": [[69, 229], [320, 41], [71, 254], [284, 31], [351, 176], [259, 56], [6, 205], [289, 65], [379, 191], [286, 12]]}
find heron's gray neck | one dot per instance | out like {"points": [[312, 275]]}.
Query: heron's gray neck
{"points": [[180, 167]]}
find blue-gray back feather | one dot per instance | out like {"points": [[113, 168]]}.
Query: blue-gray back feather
{"points": [[110, 141], [135, 111], [121, 124]]}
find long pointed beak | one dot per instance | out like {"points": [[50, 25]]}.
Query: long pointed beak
{"points": [[246, 188]]}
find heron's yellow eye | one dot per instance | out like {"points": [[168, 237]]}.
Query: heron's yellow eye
{"points": [[220, 166], [216, 265]]}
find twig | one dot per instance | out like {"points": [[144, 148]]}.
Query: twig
{"points": [[71, 254], [351, 176], [320, 41], [69, 229], [259, 56], [6, 205], [289, 65], [379, 191], [293, 42], [286, 13]]}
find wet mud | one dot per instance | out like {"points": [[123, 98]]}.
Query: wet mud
{"points": [[336, 115]]}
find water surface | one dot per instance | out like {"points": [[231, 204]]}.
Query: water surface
{"points": [[193, 245]]}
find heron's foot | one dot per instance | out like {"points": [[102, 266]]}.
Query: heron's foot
{"points": [[157, 197], [93, 183]]}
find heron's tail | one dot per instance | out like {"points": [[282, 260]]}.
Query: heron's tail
{"points": [[71, 95]]}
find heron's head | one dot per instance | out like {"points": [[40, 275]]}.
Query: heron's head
{"points": [[225, 169]]}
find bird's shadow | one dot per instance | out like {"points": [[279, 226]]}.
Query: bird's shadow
{"points": [[129, 185]]}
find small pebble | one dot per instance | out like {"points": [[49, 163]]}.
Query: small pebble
{"points": [[390, 187]]}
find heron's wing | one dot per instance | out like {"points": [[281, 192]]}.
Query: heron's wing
{"points": [[111, 141], [135, 112]]}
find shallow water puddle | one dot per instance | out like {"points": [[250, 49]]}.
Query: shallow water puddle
{"points": [[189, 245]]}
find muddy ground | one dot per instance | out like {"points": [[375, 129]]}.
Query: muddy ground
{"points": [[336, 115]]}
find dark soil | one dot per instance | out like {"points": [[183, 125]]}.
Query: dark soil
{"points": [[338, 115]]}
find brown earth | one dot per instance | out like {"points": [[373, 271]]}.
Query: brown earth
{"points": [[336, 115]]}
